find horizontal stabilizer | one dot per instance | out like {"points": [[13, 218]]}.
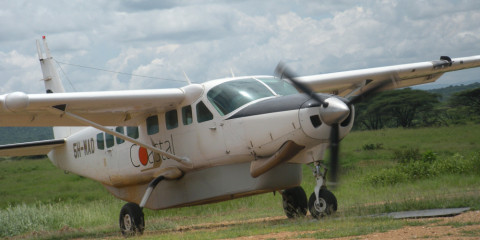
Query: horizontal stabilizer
{"points": [[30, 148]]}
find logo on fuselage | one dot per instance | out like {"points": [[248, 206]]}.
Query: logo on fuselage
{"points": [[140, 156]]}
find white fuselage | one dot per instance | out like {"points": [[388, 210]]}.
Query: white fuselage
{"points": [[220, 147]]}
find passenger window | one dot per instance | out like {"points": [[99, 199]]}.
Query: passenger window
{"points": [[122, 131], [132, 132], [100, 141], [203, 114], [152, 125], [171, 118], [109, 139], [187, 115]]}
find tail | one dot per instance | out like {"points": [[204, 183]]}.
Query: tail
{"points": [[53, 84]]}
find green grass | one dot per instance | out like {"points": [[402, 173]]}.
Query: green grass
{"points": [[40, 201], [32, 181]]}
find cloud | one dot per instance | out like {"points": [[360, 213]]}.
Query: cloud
{"points": [[22, 69], [208, 39]]}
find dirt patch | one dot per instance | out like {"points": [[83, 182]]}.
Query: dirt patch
{"points": [[463, 226], [221, 225]]}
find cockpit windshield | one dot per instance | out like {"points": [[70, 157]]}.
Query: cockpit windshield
{"points": [[228, 96], [279, 86]]}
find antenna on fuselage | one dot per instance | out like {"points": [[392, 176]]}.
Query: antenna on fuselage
{"points": [[188, 79], [231, 71]]}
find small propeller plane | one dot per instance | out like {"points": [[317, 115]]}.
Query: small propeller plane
{"points": [[210, 142]]}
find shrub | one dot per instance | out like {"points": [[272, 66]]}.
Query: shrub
{"points": [[417, 170], [413, 167], [455, 164], [407, 155], [429, 157], [388, 176], [371, 146]]}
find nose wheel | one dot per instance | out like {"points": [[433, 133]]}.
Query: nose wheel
{"points": [[322, 202], [324, 205]]}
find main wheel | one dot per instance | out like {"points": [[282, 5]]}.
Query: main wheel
{"points": [[326, 204], [131, 220], [294, 202]]}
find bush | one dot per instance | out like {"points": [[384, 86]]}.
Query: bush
{"points": [[455, 164], [371, 146], [407, 155], [413, 166], [417, 170], [388, 176], [429, 157]]}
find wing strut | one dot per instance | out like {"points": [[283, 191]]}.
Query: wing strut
{"points": [[62, 108]]}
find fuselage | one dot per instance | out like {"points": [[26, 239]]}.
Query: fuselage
{"points": [[228, 124]]}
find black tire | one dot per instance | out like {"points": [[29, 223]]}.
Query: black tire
{"points": [[131, 220], [327, 204], [294, 202]]}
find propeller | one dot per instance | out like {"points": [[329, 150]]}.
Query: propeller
{"points": [[282, 71], [334, 111]]}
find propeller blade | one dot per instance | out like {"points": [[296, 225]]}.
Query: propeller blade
{"points": [[283, 71], [334, 149], [369, 92]]}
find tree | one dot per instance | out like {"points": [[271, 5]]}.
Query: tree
{"points": [[469, 99], [396, 108]]}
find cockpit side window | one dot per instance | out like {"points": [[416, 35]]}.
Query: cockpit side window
{"points": [[228, 96], [203, 114], [279, 86]]}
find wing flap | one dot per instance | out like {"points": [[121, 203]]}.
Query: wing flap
{"points": [[30, 148]]}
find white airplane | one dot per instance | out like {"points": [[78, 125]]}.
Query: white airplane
{"points": [[205, 143]]}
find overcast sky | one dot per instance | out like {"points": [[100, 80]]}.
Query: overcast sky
{"points": [[210, 39]]}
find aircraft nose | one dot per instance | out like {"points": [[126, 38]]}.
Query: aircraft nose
{"points": [[336, 111]]}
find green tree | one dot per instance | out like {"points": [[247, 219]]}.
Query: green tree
{"points": [[469, 100], [397, 108]]}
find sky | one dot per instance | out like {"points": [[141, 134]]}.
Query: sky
{"points": [[205, 40]]}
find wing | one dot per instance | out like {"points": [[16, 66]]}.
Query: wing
{"points": [[355, 82], [113, 108], [30, 148]]}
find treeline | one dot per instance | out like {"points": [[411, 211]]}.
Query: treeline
{"points": [[417, 108], [24, 134]]}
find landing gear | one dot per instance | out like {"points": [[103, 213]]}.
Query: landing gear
{"points": [[321, 202], [131, 220], [294, 202], [325, 204]]}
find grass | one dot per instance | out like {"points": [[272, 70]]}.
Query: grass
{"points": [[33, 181], [39, 201]]}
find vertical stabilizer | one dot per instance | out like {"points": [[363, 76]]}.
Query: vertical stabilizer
{"points": [[52, 81]]}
